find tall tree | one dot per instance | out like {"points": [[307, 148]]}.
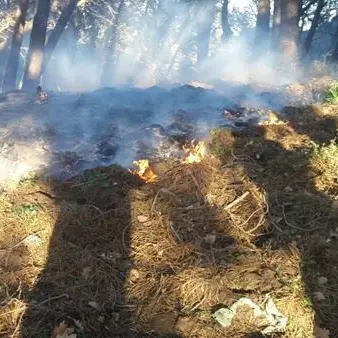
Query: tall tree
{"points": [[34, 62], [288, 37], [262, 24], [227, 33], [314, 25], [334, 54], [277, 20], [205, 21], [110, 57], [9, 82], [56, 33]]}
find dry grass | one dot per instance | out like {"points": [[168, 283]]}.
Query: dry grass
{"points": [[325, 162], [250, 220]]}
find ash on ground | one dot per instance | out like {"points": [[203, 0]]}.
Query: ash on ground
{"points": [[73, 132]]}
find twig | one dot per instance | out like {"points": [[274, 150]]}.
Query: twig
{"points": [[17, 325], [271, 218], [34, 306], [258, 225], [174, 231], [250, 232], [290, 225], [100, 212], [46, 194], [237, 200], [51, 298], [198, 197], [196, 306], [190, 207], [126, 248], [154, 202], [156, 197], [14, 310], [194, 179]]}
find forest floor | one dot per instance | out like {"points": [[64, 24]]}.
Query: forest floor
{"points": [[105, 254]]}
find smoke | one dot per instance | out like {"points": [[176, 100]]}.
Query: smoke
{"points": [[85, 124], [169, 42]]}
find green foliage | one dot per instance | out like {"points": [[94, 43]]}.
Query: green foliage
{"points": [[331, 96], [26, 210], [324, 160], [327, 153]]}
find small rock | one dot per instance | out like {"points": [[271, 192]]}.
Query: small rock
{"points": [[79, 325], [142, 219], [134, 275], [86, 272], [94, 305], [101, 319], [288, 189], [115, 316], [318, 295], [210, 239], [322, 280], [333, 234], [335, 204]]}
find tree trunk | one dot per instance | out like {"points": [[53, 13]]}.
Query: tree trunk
{"points": [[288, 39], [334, 55], [262, 25], [204, 31], [34, 62], [58, 30], [313, 28], [110, 57], [184, 26], [277, 19], [227, 33], [9, 82]]}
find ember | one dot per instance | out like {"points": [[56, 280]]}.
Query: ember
{"points": [[195, 154], [144, 171]]}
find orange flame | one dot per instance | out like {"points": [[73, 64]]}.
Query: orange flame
{"points": [[144, 171], [196, 153]]}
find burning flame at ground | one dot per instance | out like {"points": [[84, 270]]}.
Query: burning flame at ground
{"points": [[144, 171], [196, 153]]}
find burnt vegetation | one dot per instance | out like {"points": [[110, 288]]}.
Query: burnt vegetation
{"points": [[234, 189]]}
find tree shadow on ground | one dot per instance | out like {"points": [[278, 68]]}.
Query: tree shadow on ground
{"points": [[302, 217], [117, 274], [89, 260], [132, 260]]}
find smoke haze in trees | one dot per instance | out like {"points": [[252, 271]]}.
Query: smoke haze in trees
{"points": [[148, 43]]}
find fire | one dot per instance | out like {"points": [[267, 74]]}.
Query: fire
{"points": [[144, 171], [195, 154]]}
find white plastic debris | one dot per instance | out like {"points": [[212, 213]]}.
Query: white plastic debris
{"points": [[277, 321], [322, 280]]}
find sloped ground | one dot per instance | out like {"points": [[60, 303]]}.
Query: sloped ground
{"points": [[115, 257]]}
